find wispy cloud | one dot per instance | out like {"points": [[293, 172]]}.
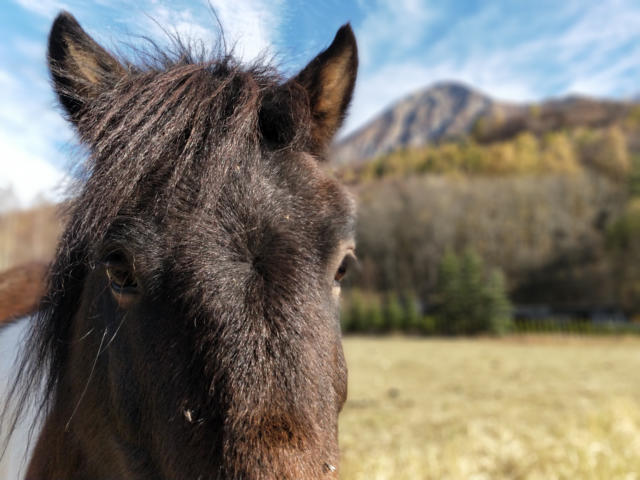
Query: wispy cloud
{"points": [[518, 55], [252, 25], [35, 141], [46, 8], [390, 29], [31, 131], [30, 135]]}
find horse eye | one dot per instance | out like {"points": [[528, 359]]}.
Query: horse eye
{"points": [[344, 267], [342, 271], [120, 274]]}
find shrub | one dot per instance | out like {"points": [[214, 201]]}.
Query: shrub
{"points": [[375, 316], [368, 312], [394, 314], [427, 325], [354, 312], [361, 313], [413, 317]]}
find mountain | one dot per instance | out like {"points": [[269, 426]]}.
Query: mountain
{"points": [[444, 110], [452, 110]]}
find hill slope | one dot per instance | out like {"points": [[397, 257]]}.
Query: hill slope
{"points": [[452, 110], [444, 110]]}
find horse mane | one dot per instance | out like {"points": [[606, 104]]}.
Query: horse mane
{"points": [[174, 113]]}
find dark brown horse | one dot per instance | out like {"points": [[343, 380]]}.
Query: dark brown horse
{"points": [[190, 325]]}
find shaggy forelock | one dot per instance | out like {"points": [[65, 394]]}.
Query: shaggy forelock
{"points": [[171, 135]]}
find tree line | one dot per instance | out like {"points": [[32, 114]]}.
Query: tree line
{"points": [[553, 219]]}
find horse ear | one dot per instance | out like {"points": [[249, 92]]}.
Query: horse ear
{"points": [[80, 68], [329, 80]]}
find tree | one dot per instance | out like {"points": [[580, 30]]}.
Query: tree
{"points": [[559, 154], [413, 315], [353, 317], [471, 300], [606, 151], [448, 295], [634, 178], [498, 305], [394, 315], [623, 242]]}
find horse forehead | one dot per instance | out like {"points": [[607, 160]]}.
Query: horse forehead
{"points": [[278, 203], [293, 184]]}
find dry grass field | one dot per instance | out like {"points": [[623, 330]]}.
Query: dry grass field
{"points": [[516, 408]]}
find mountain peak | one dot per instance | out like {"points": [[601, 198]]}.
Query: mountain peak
{"points": [[443, 110], [453, 87]]}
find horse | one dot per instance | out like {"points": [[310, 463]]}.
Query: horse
{"points": [[189, 327], [21, 289]]}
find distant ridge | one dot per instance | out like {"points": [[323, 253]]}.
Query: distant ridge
{"points": [[449, 110], [443, 110]]}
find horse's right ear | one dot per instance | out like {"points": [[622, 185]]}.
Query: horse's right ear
{"points": [[80, 68], [329, 80]]}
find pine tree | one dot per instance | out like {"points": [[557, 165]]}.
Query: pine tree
{"points": [[470, 300], [473, 305], [499, 306], [412, 313], [447, 294], [393, 313]]}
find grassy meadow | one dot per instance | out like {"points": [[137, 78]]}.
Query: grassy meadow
{"points": [[539, 407]]}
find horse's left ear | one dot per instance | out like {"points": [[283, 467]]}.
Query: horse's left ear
{"points": [[80, 68], [329, 80]]}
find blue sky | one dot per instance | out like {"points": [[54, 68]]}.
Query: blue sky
{"points": [[513, 50]]}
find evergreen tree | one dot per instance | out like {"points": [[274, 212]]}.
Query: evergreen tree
{"points": [[413, 316], [447, 294], [623, 242], [393, 314], [473, 310], [634, 177], [375, 317], [499, 306], [354, 316], [470, 300]]}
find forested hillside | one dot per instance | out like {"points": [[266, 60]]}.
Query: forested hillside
{"points": [[548, 195]]}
